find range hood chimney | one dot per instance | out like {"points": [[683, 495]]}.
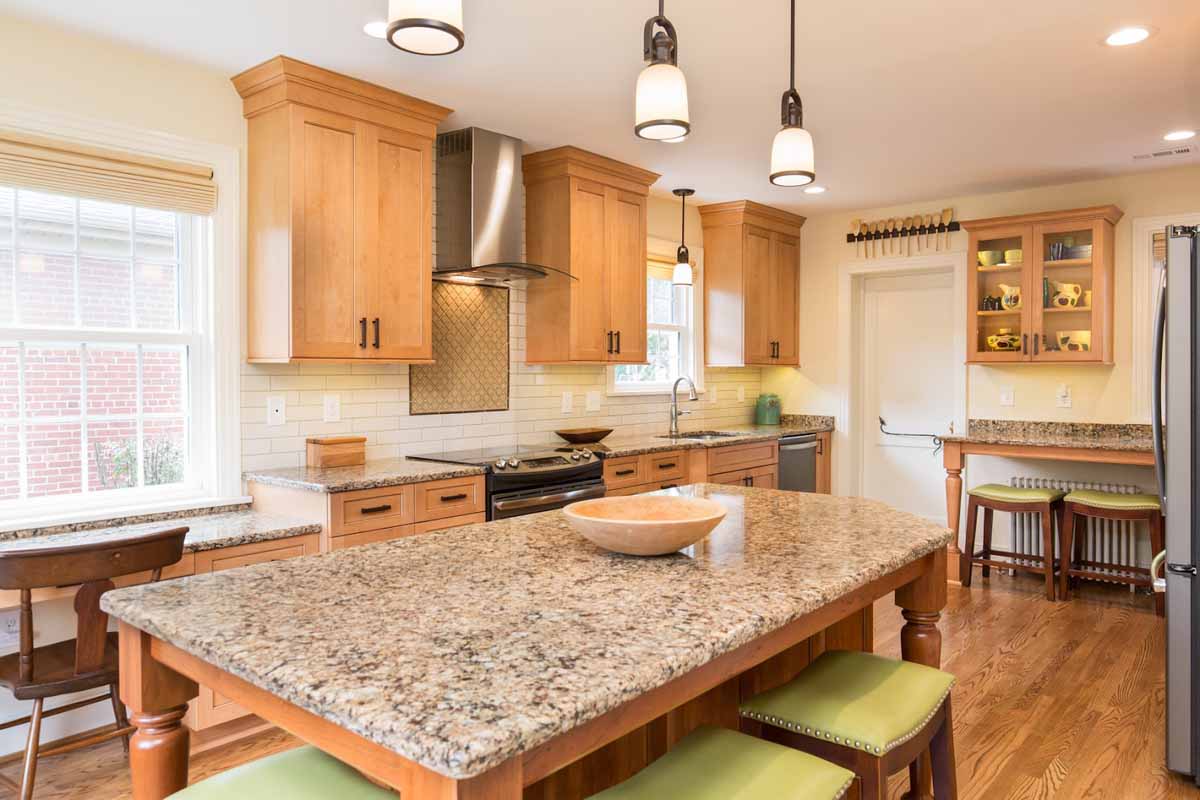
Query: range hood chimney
{"points": [[480, 209]]}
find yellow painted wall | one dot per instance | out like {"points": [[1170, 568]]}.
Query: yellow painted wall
{"points": [[1100, 394]]}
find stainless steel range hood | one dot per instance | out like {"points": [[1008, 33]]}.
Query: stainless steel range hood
{"points": [[480, 210]]}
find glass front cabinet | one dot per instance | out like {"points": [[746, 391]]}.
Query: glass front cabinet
{"points": [[1040, 287]]}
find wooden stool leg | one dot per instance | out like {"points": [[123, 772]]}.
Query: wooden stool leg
{"points": [[1157, 545], [119, 714], [874, 782], [29, 772], [1066, 529], [941, 748], [1048, 550], [987, 540], [968, 557]]}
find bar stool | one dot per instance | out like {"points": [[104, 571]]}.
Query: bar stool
{"points": [[1085, 503], [719, 764], [872, 715], [305, 773], [992, 497]]}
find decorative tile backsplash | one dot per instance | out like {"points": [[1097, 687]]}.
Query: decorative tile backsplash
{"points": [[470, 346]]}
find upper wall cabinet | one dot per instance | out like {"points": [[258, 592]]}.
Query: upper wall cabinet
{"points": [[751, 285], [586, 214], [1040, 287], [340, 217]]}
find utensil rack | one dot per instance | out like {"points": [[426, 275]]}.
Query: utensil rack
{"points": [[902, 233]]}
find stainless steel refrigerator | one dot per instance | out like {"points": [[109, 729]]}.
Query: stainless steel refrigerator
{"points": [[1176, 449]]}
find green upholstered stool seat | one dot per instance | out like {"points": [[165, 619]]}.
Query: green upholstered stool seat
{"points": [[1013, 494], [719, 764], [305, 773], [1114, 501], [857, 700]]}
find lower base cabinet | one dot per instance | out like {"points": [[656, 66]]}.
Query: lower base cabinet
{"points": [[760, 477]]}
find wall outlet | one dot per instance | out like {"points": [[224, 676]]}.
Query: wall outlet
{"points": [[276, 409], [593, 401], [1008, 396], [10, 629], [1062, 397], [568, 402], [741, 393], [331, 405]]}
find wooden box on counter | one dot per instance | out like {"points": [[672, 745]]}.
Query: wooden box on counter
{"points": [[336, 451]]}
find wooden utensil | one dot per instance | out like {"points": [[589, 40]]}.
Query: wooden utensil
{"points": [[854, 223], [889, 228], [908, 234], [928, 227], [947, 218], [874, 230], [863, 232]]}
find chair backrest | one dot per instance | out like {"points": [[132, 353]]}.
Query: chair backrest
{"points": [[94, 565]]}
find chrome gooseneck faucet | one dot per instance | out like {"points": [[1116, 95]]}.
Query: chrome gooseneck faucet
{"points": [[675, 412]]}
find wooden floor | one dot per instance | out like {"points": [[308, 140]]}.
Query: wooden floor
{"points": [[1054, 700]]}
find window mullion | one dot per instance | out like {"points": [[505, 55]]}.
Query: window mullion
{"points": [[16, 244], [139, 443], [75, 275], [133, 318], [83, 420], [22, 439]]}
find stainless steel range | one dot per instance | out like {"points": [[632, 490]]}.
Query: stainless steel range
{"points": [[528, 480]]}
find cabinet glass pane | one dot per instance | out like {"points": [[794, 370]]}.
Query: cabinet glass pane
{"points": [[1067, 291], [1000, 264]]}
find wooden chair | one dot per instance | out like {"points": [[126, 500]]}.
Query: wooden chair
{"points": [[89, 661], [992, 497], [1081, 504]]}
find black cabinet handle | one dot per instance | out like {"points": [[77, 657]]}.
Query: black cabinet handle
{"points": [[450, 498], [377, 509], [362, 333], [623, 472], [1036, 343], [1024, 342], [820, 446], [669, 486], [618, 342], [668, 465], [375, 322], [610, 341], [747, 481]]}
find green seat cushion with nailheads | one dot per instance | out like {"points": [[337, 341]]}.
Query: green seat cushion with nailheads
{"points": [[1114, 501], [1013, 494], [719, 764], [855, 699], [298, 774]]}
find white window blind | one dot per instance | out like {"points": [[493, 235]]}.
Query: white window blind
{"points": [[70, 169]]}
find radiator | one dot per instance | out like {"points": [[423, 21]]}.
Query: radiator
{"points": [[1110, 541]]}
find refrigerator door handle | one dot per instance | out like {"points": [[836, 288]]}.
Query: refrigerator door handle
{"points": [[1156, 390]]}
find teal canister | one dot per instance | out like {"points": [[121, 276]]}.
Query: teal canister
{"points": [[766, 410]]}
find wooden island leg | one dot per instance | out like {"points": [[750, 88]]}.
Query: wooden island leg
{"points": [[157, 697], [921, 604], [953, 461]]}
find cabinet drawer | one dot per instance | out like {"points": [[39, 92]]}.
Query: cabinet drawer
{"points": [[734, 478], [370, 509], [622, 472], [257, 553], [449, 522], [456, 497], [742, 456], [662, 467], [764, 477], [370, 537]]}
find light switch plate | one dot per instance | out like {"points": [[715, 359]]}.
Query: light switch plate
{"points": [[568, 402], [1062, 397], [276, 409], [1008, 397], [331, 405], [593, 401]]}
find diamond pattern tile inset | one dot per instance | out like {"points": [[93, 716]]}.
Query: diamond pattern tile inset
{"points": [[470, 348]]}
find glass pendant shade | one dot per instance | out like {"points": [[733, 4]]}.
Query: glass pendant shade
{"points": [[426, 27], [662, 103], [792, 160], [682, 276]]}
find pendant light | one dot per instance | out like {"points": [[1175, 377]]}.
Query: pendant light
{"points": [[792, 161], [426, 27], [682, 276], [661, 112]]}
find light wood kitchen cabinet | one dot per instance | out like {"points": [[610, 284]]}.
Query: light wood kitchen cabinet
{"points": [[340, 217], [824, 463], [751, 285], [1040, 287], [586, 215]]}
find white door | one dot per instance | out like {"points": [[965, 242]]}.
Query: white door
{"points": [[907, 373]]}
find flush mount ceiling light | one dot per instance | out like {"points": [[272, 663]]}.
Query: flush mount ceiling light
{"points": [[661, 105], [1127, 36], [1179, 136], [682, 276], [792, 160], [376, 29], [815, 190], [426, 27]]}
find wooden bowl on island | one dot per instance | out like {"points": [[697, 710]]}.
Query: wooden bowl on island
{"points": [[583, 435], [645, 525]]}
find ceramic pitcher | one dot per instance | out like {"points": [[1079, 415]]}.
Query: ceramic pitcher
{"points": [[1066, 295], [1011, 297]]}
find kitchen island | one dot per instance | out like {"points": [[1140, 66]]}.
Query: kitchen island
{"points": [[485, 660]]}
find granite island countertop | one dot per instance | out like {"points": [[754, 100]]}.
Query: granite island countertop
{"points": [[205, 531], [1086, 435], [463, 648], [371, 475]]}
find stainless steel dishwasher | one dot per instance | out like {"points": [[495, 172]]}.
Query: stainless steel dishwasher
{"points": [[798, 462]]}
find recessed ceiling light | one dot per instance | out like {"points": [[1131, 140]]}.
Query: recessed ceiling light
{"points": [[815, 190], [1127, 36], [1179, 136], [377, 29]]}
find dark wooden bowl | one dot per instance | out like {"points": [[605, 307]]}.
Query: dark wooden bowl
{"points": [[584, 435]]}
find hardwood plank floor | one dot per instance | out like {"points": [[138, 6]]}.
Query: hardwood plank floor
{"points": [[1054, 700]]}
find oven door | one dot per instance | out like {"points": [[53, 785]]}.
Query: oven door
{"points": [[548, 498]]}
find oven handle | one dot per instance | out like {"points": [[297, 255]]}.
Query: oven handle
{"points": [[548, 499]]}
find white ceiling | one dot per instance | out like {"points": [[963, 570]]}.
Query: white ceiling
{"points": [[906, 101]]}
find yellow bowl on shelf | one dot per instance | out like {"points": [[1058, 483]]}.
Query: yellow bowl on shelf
{"points": [[990, 258], [1014, 256]]}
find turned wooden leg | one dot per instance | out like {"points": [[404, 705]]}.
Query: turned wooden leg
{"points": [[941, 749], [953, 461], [1066, 532], [1048, 550], [29, 771], [921, 603], [966, 559]]}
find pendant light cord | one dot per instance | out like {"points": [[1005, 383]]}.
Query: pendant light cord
{"points": [[793, 43], [661, 3], [682, 219]]}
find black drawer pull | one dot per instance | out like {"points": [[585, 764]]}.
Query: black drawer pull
{"points": [[623, 472], [610, 341], [375, 322], [450, 498], [362, 333], [669, 486], [669, 465], [377, 509]]}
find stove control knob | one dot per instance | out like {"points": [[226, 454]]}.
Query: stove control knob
{"points": [[575, 456], [501, 464], [514, 462], [587, 455]]}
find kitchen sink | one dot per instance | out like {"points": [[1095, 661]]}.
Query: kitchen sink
{"points": [[701, 435]]}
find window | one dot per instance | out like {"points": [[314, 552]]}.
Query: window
{"points": [[671, 337], [99, 348]]}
